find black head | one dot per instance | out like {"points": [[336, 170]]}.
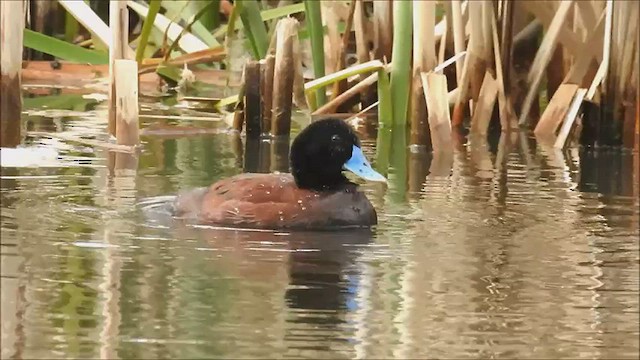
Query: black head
{"points": [[321, 151]]}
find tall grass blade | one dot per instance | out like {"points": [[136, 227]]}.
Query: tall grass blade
{"points": [[254, 27], [383, 149], [154, 7], [211, 19], [178, 9], [401, 60], [314, 21], [71, 27], [385, 121], [385, 102], [269, 14], [187, 42], [62, 49]]}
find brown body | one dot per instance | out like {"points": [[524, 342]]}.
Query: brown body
{"points": [[274, 201]]}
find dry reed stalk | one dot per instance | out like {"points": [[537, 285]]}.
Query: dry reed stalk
{"points": [[362, 48], [435, 91], [11, 31], [606, 51], [555, 111], [506, 42], [424, 59], [266, 87], [334, 104], [332, 41], [626, 53], [418, 170], [299, 97], [383, 28], [480, 46], [442, 47], [441, 163], [570, 118], [126, 99], [458, 35], [564, 102], [474, 64], [485, 105], [279, 154], [505, 105], [618, 27], [447, 36], [119, 26], [238, 111], [543, 57], [555, 70], [545, 14], [252, 101], [283, 77], [579, 69], [342, 85]]}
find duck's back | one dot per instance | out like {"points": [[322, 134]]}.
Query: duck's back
{"points": [[273, 201]]}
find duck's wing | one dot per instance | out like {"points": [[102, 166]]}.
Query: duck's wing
{"points": [[259, 201]]}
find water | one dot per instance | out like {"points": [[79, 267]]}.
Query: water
{"points": [[511, 252]]}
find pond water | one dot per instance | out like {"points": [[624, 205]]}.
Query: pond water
{"points": [[507, 250]]}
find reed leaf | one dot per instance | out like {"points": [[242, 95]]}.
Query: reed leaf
{"points": [[211, 20], [401, 60], [187, 42], [314, 21], [269, 14], [193, 21], [62, 49], [369, 66], [254, 27], [154, 7], [200, 28], [71, 27]]}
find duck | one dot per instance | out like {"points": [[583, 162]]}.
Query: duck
{"points": [[314, 195]]}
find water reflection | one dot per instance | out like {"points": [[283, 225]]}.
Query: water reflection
{"points": [[502, 248]]}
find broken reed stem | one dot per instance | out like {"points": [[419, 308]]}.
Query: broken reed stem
{"points": [[383, 28], [299, 96], [506, 43], [435, 90], [119, 24], [543, 57], [424, 55], [252, 103], [11, 30], [474, 63], [283, 77], [266, 85], [334, 104], [126, 99], [238, 110]]}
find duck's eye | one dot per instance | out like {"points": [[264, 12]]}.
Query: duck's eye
{"points": [[335, 138]]}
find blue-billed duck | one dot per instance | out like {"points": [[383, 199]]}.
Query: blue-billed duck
{"points": [[316, 195]]}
